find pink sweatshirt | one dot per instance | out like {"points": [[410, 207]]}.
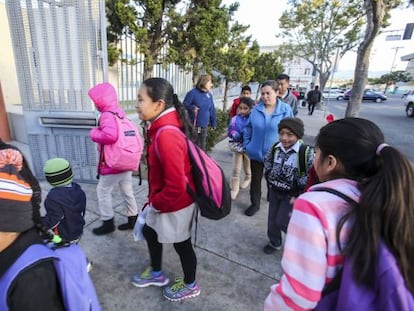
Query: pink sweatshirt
{"points": [[311, 256]]}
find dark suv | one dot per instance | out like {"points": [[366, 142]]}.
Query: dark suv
{"points": [[368, 95]]}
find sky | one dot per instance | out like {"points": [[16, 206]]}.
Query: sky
{"points": [[263, 16]]}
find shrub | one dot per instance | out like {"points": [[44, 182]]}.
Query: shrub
{"points": [[216, 135]]}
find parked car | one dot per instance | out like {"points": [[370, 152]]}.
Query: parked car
{"points": [[409, 106], [368, 95], [332, 95]]}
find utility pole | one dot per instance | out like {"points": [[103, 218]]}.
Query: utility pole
{"points": [[395, 56]]}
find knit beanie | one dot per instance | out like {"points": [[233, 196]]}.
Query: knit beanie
{"points": [[295, 125], [58, 172], [15, 194]]}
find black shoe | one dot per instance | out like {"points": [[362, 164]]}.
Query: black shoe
{"points": [[129, 225], [106, 227], [251, 210], [270, 249]]}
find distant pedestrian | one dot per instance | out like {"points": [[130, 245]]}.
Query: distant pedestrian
{"points": [[106, 101], [246, 91], [325, 229], [286, 94], [260, 134], [285, 179], [172, 210], [313, 98], [240, 158], [200, 106], [65, 204]]}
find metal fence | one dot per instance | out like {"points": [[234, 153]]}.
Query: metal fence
{"points": [[58, 54]]}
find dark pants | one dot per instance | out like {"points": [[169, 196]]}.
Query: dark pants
{"points": [[311, 107], [201, 137], [280, 210], [256, 183], [184, 250]]}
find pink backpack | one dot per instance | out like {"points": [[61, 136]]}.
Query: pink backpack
{"points": [[212, 192], [125, 153]]}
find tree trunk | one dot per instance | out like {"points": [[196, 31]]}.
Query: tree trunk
{"points": [[375, 17], [148, 68], [226, 89], [323, 79]]}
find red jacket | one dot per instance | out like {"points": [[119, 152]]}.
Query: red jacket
{"points": [[169, 170], [233, 110]]}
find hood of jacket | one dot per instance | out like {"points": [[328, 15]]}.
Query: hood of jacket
{"points": [[104, 97]]}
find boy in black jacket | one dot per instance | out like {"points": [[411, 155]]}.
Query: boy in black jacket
{"points": [[65, 203]]}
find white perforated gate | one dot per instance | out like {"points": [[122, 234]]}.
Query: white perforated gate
{"points": [[58, 53]]}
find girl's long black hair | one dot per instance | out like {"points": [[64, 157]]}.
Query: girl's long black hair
{"points": [[386, 207], [159, 88]]}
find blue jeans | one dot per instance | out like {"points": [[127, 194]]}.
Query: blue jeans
{"points": [[280, 210]]}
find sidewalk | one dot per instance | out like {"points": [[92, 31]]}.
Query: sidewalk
{"points": [[233, 272]]}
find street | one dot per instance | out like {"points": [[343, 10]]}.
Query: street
{"points": [[389, 115]]}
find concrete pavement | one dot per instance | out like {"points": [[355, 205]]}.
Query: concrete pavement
{"points": [[233, 272]]}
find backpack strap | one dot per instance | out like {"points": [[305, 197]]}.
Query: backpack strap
{"points": [[338, 194], [336, 281], [303, 159], [34, 254]]}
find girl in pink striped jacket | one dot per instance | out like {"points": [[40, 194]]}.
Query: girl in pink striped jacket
{"points": [[352, 158]]}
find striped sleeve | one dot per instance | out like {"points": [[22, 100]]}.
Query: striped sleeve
{"points": [[309, 258]]}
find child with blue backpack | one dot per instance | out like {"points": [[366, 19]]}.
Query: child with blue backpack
{"points": [[240, 158], [353, 231], [286, 168], [34, 276], [35, 288], [171, 208]]}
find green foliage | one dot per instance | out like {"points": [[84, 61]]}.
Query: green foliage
{"points": [[200, 34], [267, 66], [316, 29], [214, 136], [392, 77]]}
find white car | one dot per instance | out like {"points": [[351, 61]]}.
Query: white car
{"points": [[409, 106], [332, 95]]}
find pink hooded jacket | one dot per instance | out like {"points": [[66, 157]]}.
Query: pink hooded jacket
{"points": [[106, 101]]}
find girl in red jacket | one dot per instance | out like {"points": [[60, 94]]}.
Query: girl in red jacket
{"points": [[171, 209]]}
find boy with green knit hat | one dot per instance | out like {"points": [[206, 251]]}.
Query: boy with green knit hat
{"points": [[65, 203]]}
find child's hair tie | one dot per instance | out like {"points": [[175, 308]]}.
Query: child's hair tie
{"points": [[380, 147]]}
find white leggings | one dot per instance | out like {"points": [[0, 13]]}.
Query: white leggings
{"points": [[104, 192]]}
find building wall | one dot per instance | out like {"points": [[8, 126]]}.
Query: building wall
{"points": [[8, 75]]}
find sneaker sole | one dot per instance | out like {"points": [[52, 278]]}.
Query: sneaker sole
{"points": [[150, 284], [185, 297]]}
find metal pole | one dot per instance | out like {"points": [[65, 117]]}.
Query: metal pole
{"points": [[4, 122], [103, 52]]}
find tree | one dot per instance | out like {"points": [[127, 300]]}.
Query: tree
{"points": [[316, 29], [150, 23], [377, 13], [236, 59], [200, 34], [391, 78], [267, 67]]}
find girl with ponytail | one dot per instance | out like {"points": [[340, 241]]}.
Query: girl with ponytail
{"points": [[171, 209], [353, 163]]}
